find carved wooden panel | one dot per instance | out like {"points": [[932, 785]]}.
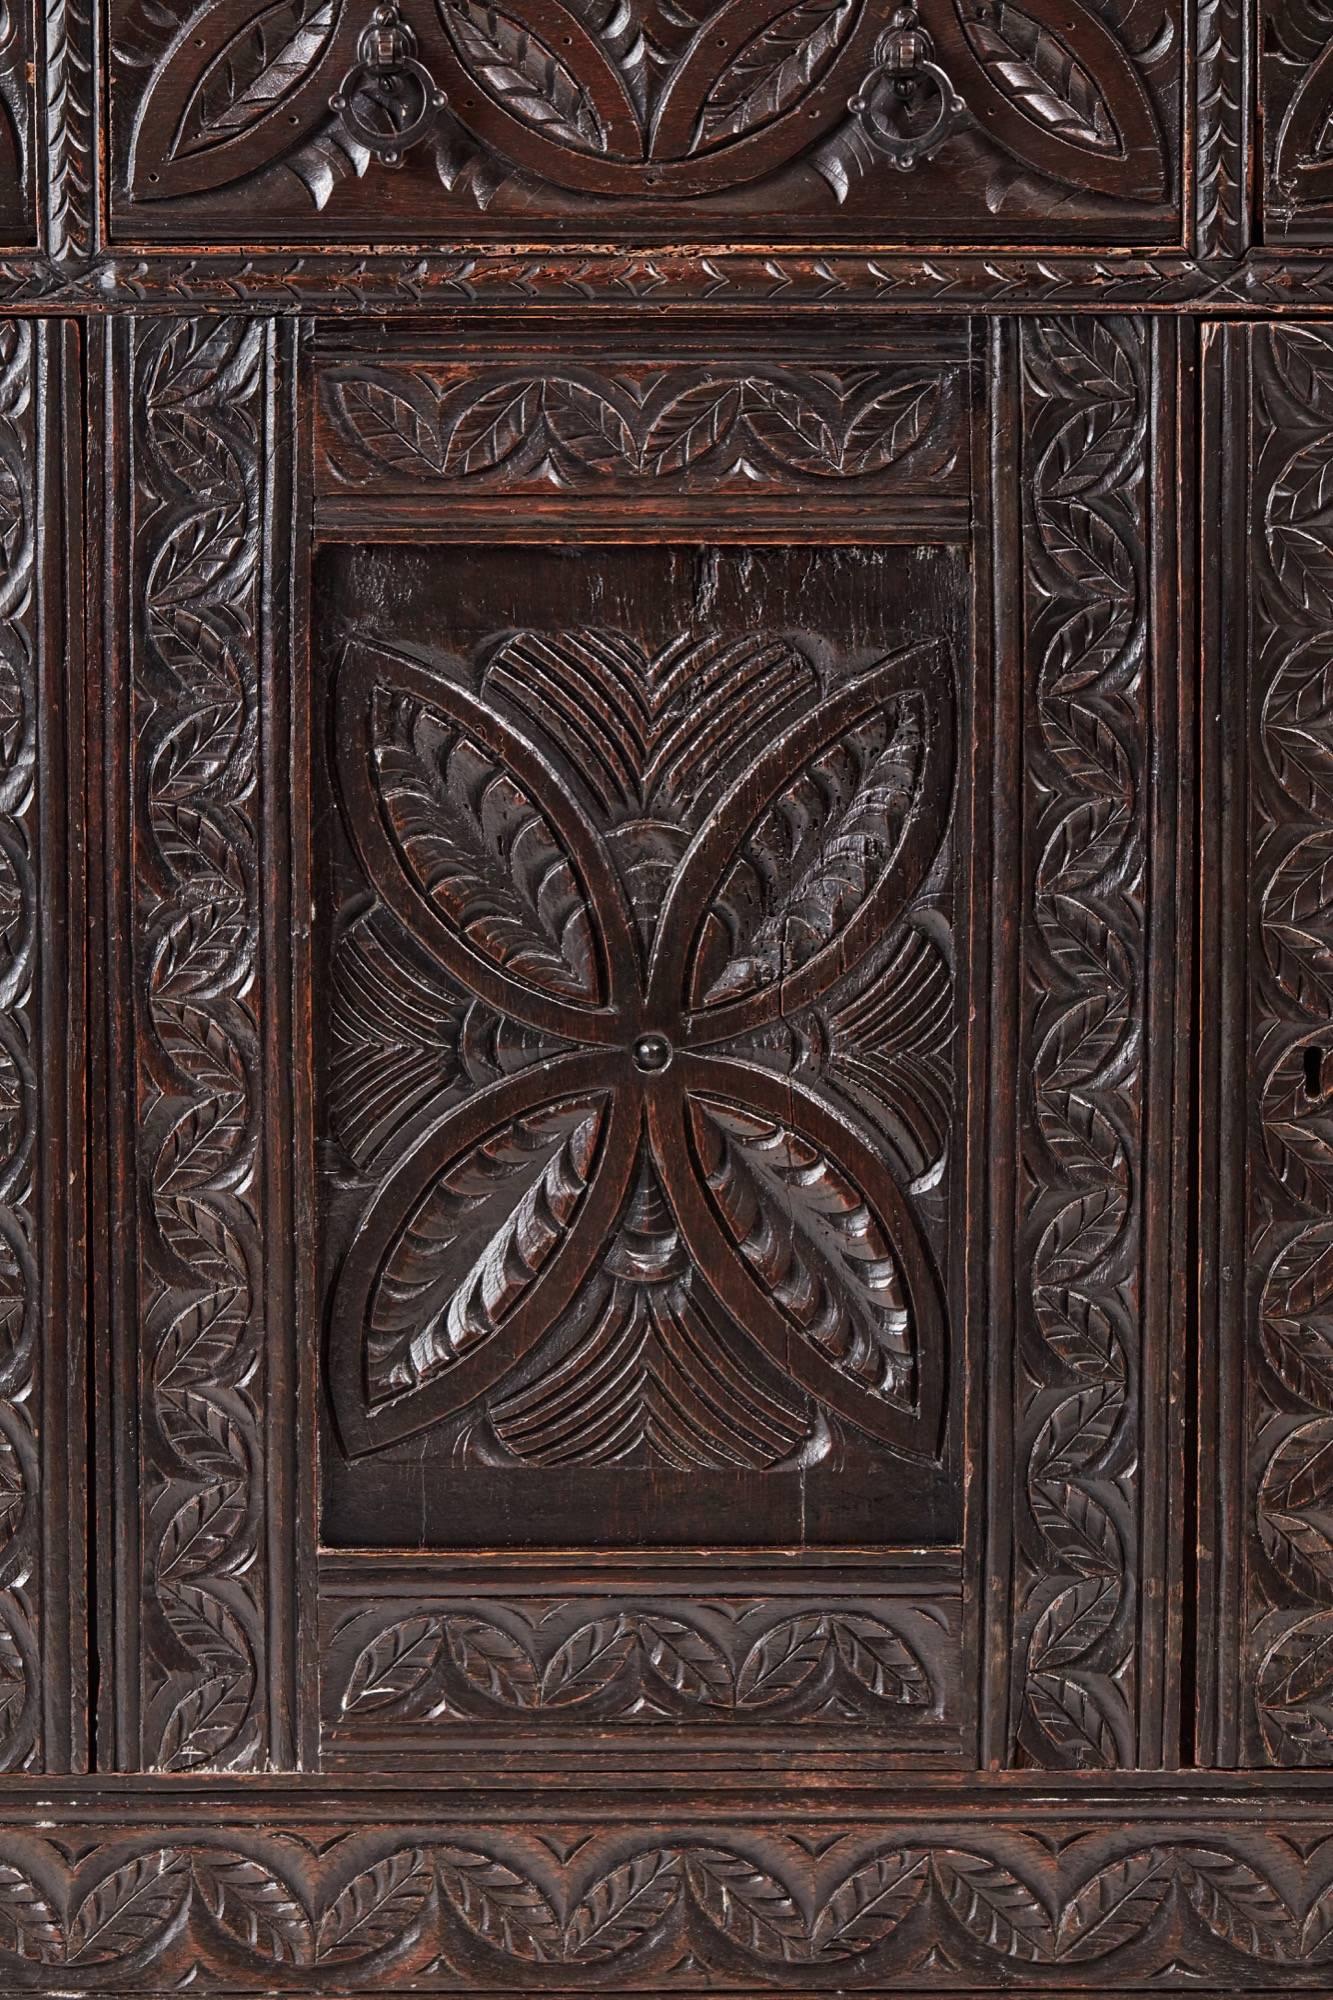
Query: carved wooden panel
{"points": [[638, 1124], [43, 1683], [1273, 1597], [666, 784], [194, 1687], [601, 1180], [703, 123]]}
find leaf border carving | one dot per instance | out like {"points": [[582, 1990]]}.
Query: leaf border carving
{"points": [[201, 394], [1288, 1586], [454, 1903], [23, 934], [1085, 407], [589, 428], [418, 1669]]}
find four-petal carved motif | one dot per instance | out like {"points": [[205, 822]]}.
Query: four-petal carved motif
{"points": [[654, 923]]}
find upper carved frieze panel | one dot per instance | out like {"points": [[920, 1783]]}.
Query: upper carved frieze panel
{"points": [[652, 121]]}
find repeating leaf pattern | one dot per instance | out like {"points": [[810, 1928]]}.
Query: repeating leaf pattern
{"points": [[196, 696], [1290, 1561], [866, 1908], [551, 106], [1085, 400], [639, 1662], [582, 429], [21, 951]]}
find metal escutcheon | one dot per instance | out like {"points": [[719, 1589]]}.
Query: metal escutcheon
{"points": [[387, 54], [904, 66]]}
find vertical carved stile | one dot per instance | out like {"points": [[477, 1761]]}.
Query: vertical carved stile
{"points": [[1289, 1219], [1084, 404], [1222, 131], [21, 946], [68, 138], [199, 399]]}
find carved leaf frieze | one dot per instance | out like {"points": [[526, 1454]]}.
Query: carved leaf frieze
{"points": [[570, 106], [1085, 401], [1290, 1566], [638, 1662], [583, 429], [195, 688], [448, 1907]]}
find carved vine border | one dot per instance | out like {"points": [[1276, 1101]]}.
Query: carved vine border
{"points": [[1289, 1670], [459, 1908], [640, 1661], [1085, 414], [582, 427], [199, 392]]}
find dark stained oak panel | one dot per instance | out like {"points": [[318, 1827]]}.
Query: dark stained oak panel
{"points": [[1270, 1364], [650, 122], [666, 998], [639, 1084]]}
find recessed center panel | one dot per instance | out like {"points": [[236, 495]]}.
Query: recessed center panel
{"points": [[638, 975]]}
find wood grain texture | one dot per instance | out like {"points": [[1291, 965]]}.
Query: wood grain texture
{"points": [[193, 1494], [700, 118], [921, 1900], [699, 763]]}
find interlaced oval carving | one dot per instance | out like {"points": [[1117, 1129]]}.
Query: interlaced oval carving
{"points": [[646, 929]]}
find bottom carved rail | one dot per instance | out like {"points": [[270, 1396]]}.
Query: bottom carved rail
{"points": [[1022, 1895]]}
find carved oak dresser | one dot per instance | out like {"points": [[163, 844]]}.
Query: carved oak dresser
{"points": [[666, 997]]}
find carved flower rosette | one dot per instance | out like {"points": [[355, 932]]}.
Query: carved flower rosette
{"points": [[652, 929]]}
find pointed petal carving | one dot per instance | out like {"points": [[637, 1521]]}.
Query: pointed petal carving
{"points": [[1084, 118], [230, 97], [787, 1208], [834, 829], [481, 1234], [476, 842]]}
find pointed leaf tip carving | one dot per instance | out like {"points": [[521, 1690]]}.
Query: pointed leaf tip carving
{"points": [[524, 1182], [224, 104], [254, 73], [525, 77], [1054, 84], [774, 69], [1042, 76], [481, 850], [819, 1251], [841, 837]]}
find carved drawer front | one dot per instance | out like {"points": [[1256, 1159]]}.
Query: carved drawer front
{"points": [[639, 1051], [715, 122]]}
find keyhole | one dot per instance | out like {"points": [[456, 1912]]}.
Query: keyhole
{"points": [[1314, 1072]]}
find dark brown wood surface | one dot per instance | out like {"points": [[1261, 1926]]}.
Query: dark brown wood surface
{"points": [[666, 997]]}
